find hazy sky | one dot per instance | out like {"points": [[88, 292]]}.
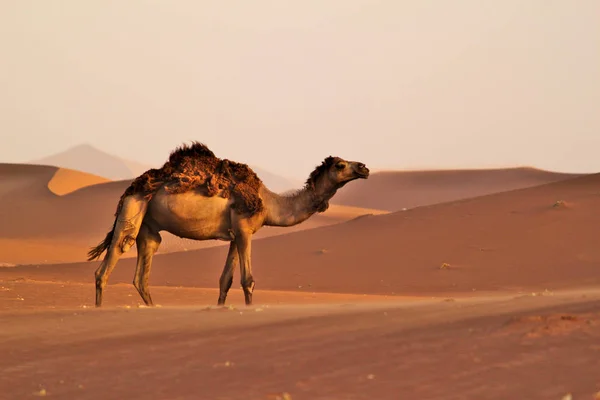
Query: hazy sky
{"points": [[282, 84]]}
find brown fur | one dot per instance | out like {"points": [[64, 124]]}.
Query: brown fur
{"points": [[192, 167], [196, 166], [311, 183], [96, 252]]}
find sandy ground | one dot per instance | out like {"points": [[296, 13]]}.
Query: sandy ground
{"points": [[501, 346], [493, 297], [531, 239]]}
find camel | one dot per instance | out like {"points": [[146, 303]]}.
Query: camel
{"points": [[197, 196]]}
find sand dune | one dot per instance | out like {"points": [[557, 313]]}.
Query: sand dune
{"points": [[66, 181], [55, 215], [20, 181], [395, 190], [529, 239]]}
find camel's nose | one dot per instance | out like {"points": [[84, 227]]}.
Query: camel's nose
{"points": [[362, 168]]}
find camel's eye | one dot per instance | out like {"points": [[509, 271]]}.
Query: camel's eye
{"points": [[340, 165]]}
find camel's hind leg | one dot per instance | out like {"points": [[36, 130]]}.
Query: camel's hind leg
{"points": [[104, 270], [148, 242], [126, 230]]}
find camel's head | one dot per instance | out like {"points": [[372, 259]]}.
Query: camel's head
{"points": [[338, 171], [342, 171]]}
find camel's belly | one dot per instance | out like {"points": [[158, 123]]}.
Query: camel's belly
{"points": [[192, 216]]}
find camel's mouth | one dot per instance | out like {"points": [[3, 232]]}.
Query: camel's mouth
{"points": [[362, 171]]}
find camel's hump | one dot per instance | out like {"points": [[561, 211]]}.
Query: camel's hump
{"points": [[194, 150]]}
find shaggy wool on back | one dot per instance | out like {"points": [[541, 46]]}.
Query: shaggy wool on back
{"points": [[195, 166]]}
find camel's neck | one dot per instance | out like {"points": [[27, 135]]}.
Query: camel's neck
{"points": [[289, 210]]}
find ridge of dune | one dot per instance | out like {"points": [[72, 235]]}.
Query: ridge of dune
{"points": [[41, 178], [66, 181], [344, 212], [24, 182], [527, 239], [530, 168], [89, 159], [394, 190]]}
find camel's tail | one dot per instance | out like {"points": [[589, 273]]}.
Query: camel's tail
{"points": [[128, 219], [96, 252]]}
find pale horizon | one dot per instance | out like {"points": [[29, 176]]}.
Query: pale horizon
{"points": [[398, 85], [159, 163]]}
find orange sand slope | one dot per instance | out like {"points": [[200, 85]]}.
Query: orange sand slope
{"points": [[39, 226], [41, 180], [530, 239], [66, 181], [395, 190]]}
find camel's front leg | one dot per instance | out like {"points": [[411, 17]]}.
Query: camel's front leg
{"points": [[244, 245], [227, 275]]}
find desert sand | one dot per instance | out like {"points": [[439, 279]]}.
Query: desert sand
{"points": [[65, 181], [487, 297], [536, 238], [54, 215], [329, 347], [408, 189]]}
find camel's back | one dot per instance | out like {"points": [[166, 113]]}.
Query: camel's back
{"points": [[196, 168]]}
